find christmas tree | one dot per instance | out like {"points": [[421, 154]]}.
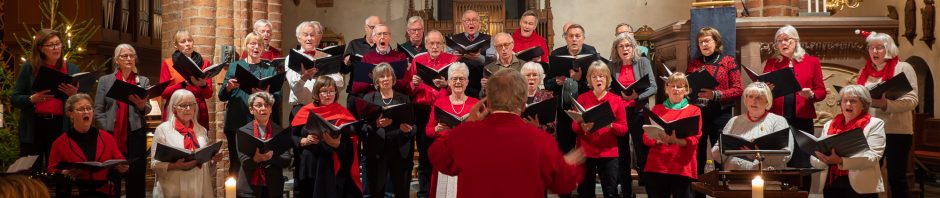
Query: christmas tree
{"points": [[76, 34]]}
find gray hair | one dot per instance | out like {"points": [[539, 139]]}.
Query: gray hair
{"points": [[429, 33], [263, 95], [859, 92], [369, 17], [790, 31], [468, 12], [507, 35], [415, 19], [317, 28], [377, 26], [534, 67], [379, 70], [458, 67], [891, 49], [614, 53], [260, 23], [760, 88], [623, 24], [70, 103], [506, 91], [117, 53], [175, 99]]}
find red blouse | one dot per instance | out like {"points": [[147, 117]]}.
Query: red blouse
{"points": [[444, 103], [672, 158], [603, 142], [626, 78], [53, 105], [809, 75], [424, 94]]}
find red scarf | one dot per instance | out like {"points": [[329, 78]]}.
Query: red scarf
{"points": [[340, 115], [189, 136], [837, 126], [259, 178], [869, 71], [121, 127], [758, 118]]}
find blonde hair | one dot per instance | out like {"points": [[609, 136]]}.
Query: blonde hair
{"points": [[251, 37], [179, 34], [599, 67], [762, 89], [680, 78], [22, 186]]}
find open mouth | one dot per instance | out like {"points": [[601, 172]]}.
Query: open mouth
{"points": [[86, 118]]}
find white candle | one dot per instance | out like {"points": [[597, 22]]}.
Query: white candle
{"points": [[757, 187], [230, 187], [809, 6]]}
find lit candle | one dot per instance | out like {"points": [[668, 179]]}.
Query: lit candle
{"points": [[757, 187], [230, 187]]}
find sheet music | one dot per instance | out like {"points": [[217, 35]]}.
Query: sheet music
{"points": [[446, 186]]}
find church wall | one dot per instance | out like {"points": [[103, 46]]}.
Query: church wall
{"points": [[346, 17], [600, 17]]}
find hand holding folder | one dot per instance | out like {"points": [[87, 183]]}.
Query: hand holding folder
{"points": [[166, 153], [601, 115], [247, 80], [51, 79], [121, 91], [188, 68], [784, 80]]}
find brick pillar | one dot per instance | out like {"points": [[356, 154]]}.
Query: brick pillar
{"points": [[215, 23]]}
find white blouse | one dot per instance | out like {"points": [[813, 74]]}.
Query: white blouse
{"points": [[195, 182], [742, 127]]}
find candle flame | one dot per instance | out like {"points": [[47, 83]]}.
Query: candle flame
{"points": [[230, 181]]}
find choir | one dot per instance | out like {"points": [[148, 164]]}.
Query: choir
{"points": [[465, 118]]}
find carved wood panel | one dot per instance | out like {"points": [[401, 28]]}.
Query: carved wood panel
{"points": [[833, 74]]}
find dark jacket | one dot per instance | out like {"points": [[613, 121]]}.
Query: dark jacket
{"points": [[22, 89], [273, 168], [572, 88], [381, 140]]}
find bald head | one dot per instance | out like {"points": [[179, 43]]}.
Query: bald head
{"points": [[503, 44], [506, 91]]}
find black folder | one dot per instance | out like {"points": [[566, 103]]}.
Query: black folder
{"points": [[846, 143], [465, 48], [121, 91], [559, 65], [188, 68], [530, 54], [428, 74], [317, 125], [50, 79], [165, 153], [682, 128], [325, 66], [544, 110], [892, 88], [601, 115], [638, 86], [784, 80], [336, 50], [447, 118], [279, 143], [246, 80], [774, 141], [91, 165], [399, 113], [410, 52], [699, 80]]}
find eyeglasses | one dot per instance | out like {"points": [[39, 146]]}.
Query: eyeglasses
{"points": [[876, 47], [53, 46], [459, 79], [261, 105], [416, 30], [504, 45], [128, 56], [85, 109], [383, 33], [471, 20], [625, 46], [784, 41], [187, 106], [328, 93]]}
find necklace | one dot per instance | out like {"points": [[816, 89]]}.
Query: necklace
{"points": [[455, 109], [387, 103]]}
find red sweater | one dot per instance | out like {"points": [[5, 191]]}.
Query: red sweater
{"points": [[424, 94], [521, 43], [672, 158], [443, 102], [603, 142], [64, 149], [809, 74], [526, 159], [729, 80], [375, 58], [167, 72]]}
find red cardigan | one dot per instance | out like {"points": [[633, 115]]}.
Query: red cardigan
{"points": [[603, 142], [809, 74], [443, 102], [535, 39], [526, 159], [424, 94], [729, 80], [64, 149], [672, 158]]}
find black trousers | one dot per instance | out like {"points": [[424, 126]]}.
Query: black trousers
{"points": [[135, 176], [640, 150], [712, 124], [563, 133], [841, 188], [389, 166], [800, 158], [234, 164], [897, 151], [634, 126], [46, 130], [606, 168], [666, 185], [422, 115]]}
